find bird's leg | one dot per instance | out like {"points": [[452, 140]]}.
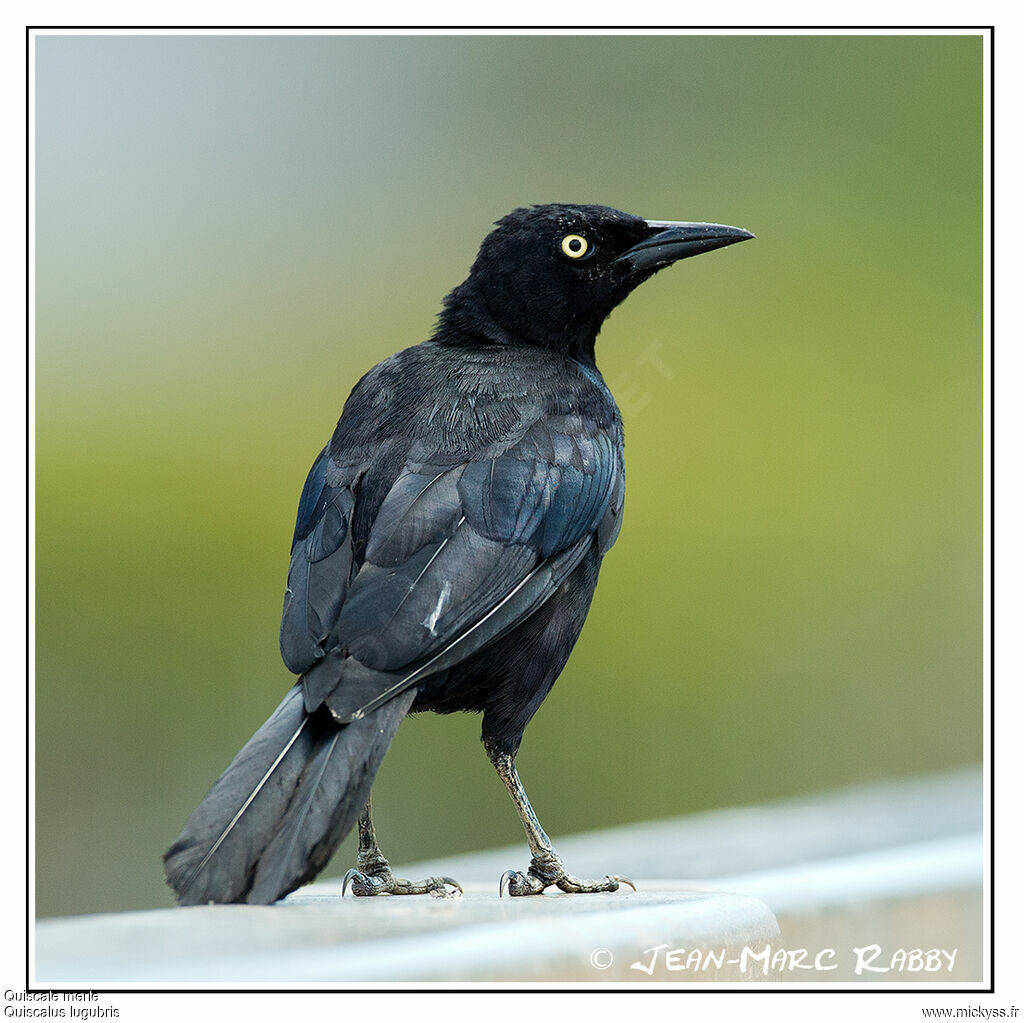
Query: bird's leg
{"points": [[545, 867], [373, 874]]}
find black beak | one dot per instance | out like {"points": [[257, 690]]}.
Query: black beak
{"points": [[673, 240]]}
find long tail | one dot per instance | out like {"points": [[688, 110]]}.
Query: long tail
{"points": [[273, 819]]}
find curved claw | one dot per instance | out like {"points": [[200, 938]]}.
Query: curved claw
{"points": [[436, 887], [622, 880], [515, 883], [349, 876], [455, 884]]}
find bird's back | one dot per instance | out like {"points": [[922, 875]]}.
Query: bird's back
{"points": [[463, 485]]}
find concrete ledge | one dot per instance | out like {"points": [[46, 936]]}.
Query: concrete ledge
{"points": [[326, 939], [898, 865]]}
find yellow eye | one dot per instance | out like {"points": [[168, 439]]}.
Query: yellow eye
{"points": [[575, 245]]}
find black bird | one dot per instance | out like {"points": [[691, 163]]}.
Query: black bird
{"points": [[445, 554]]}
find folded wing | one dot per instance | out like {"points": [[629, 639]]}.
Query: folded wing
{"points": [[456, 556]]}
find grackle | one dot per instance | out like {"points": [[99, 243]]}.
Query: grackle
{"points": [[446, 550]]}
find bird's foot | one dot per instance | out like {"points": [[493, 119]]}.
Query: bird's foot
{"points": [[380, 881], [543, 873]]}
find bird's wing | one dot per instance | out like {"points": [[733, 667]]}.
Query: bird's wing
{"points": [[456, 556], [321, 563]]}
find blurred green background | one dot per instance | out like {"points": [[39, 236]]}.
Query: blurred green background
{"points": [[230, 230]]}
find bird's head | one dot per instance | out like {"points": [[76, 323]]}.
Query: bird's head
{"points": [[550, 275]]}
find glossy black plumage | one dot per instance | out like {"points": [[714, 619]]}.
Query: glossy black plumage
{"points": [[449, 526], [447, 542]]}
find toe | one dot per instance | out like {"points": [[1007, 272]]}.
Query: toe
{"points": [[362, 884], [575, 886], [438, 887], [515, 883]]}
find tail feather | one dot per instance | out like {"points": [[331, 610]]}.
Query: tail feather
{"points": [[275, 816], [332, 790]]}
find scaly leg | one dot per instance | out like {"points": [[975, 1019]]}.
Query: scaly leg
{"points": [[373, 875], [545, 867]]}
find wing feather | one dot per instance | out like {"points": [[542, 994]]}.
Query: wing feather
{"points": [[449, 554]]}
